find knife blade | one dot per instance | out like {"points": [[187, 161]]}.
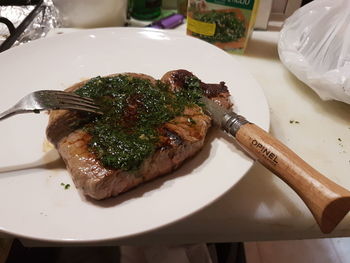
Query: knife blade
{"points": [[327, 201]]}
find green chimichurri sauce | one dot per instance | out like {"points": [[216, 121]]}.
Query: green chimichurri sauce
{"points": [[134, 109]]}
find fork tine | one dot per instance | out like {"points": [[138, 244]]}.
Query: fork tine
{"points": [[71, 95], [81, 104], [81, 108], [69, 100], [73, 99]]}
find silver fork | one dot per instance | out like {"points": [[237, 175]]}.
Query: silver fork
{"points": [[51, 100]]}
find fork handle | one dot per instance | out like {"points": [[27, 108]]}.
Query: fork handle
{"points": [[327, 201], [12, 111]]}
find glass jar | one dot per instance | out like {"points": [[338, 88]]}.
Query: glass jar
{"points": [[146, 9]]}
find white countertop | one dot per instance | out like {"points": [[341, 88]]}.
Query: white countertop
{"points": [[261, 206]]}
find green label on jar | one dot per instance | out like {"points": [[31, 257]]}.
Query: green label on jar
{"points": [[246, 4]]}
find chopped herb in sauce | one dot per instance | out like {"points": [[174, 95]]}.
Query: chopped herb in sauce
{"points": [[293, 121], [134, 111], [66, 186]]}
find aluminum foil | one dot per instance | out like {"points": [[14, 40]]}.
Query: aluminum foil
{"points": [[40, 26]]}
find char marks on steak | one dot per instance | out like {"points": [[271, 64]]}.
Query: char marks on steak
{"points": [[179, 140], [216, 92]]}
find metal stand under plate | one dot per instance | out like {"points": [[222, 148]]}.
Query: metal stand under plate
{"points": [[16, 32]]}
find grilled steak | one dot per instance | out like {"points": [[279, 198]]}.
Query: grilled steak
{"points": [[177, 139]]}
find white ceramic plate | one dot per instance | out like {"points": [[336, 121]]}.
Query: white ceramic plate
{"points": [[34, 204]]}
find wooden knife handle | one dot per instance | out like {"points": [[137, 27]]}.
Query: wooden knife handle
{"points": [[327, 201]]}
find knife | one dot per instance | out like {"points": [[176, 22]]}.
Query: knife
{"points": [[327, 201]]}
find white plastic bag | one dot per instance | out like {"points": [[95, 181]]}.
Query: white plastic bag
{"points": [[314, 45]]}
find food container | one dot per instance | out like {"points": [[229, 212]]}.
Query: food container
{"points": [[224, 23]]}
